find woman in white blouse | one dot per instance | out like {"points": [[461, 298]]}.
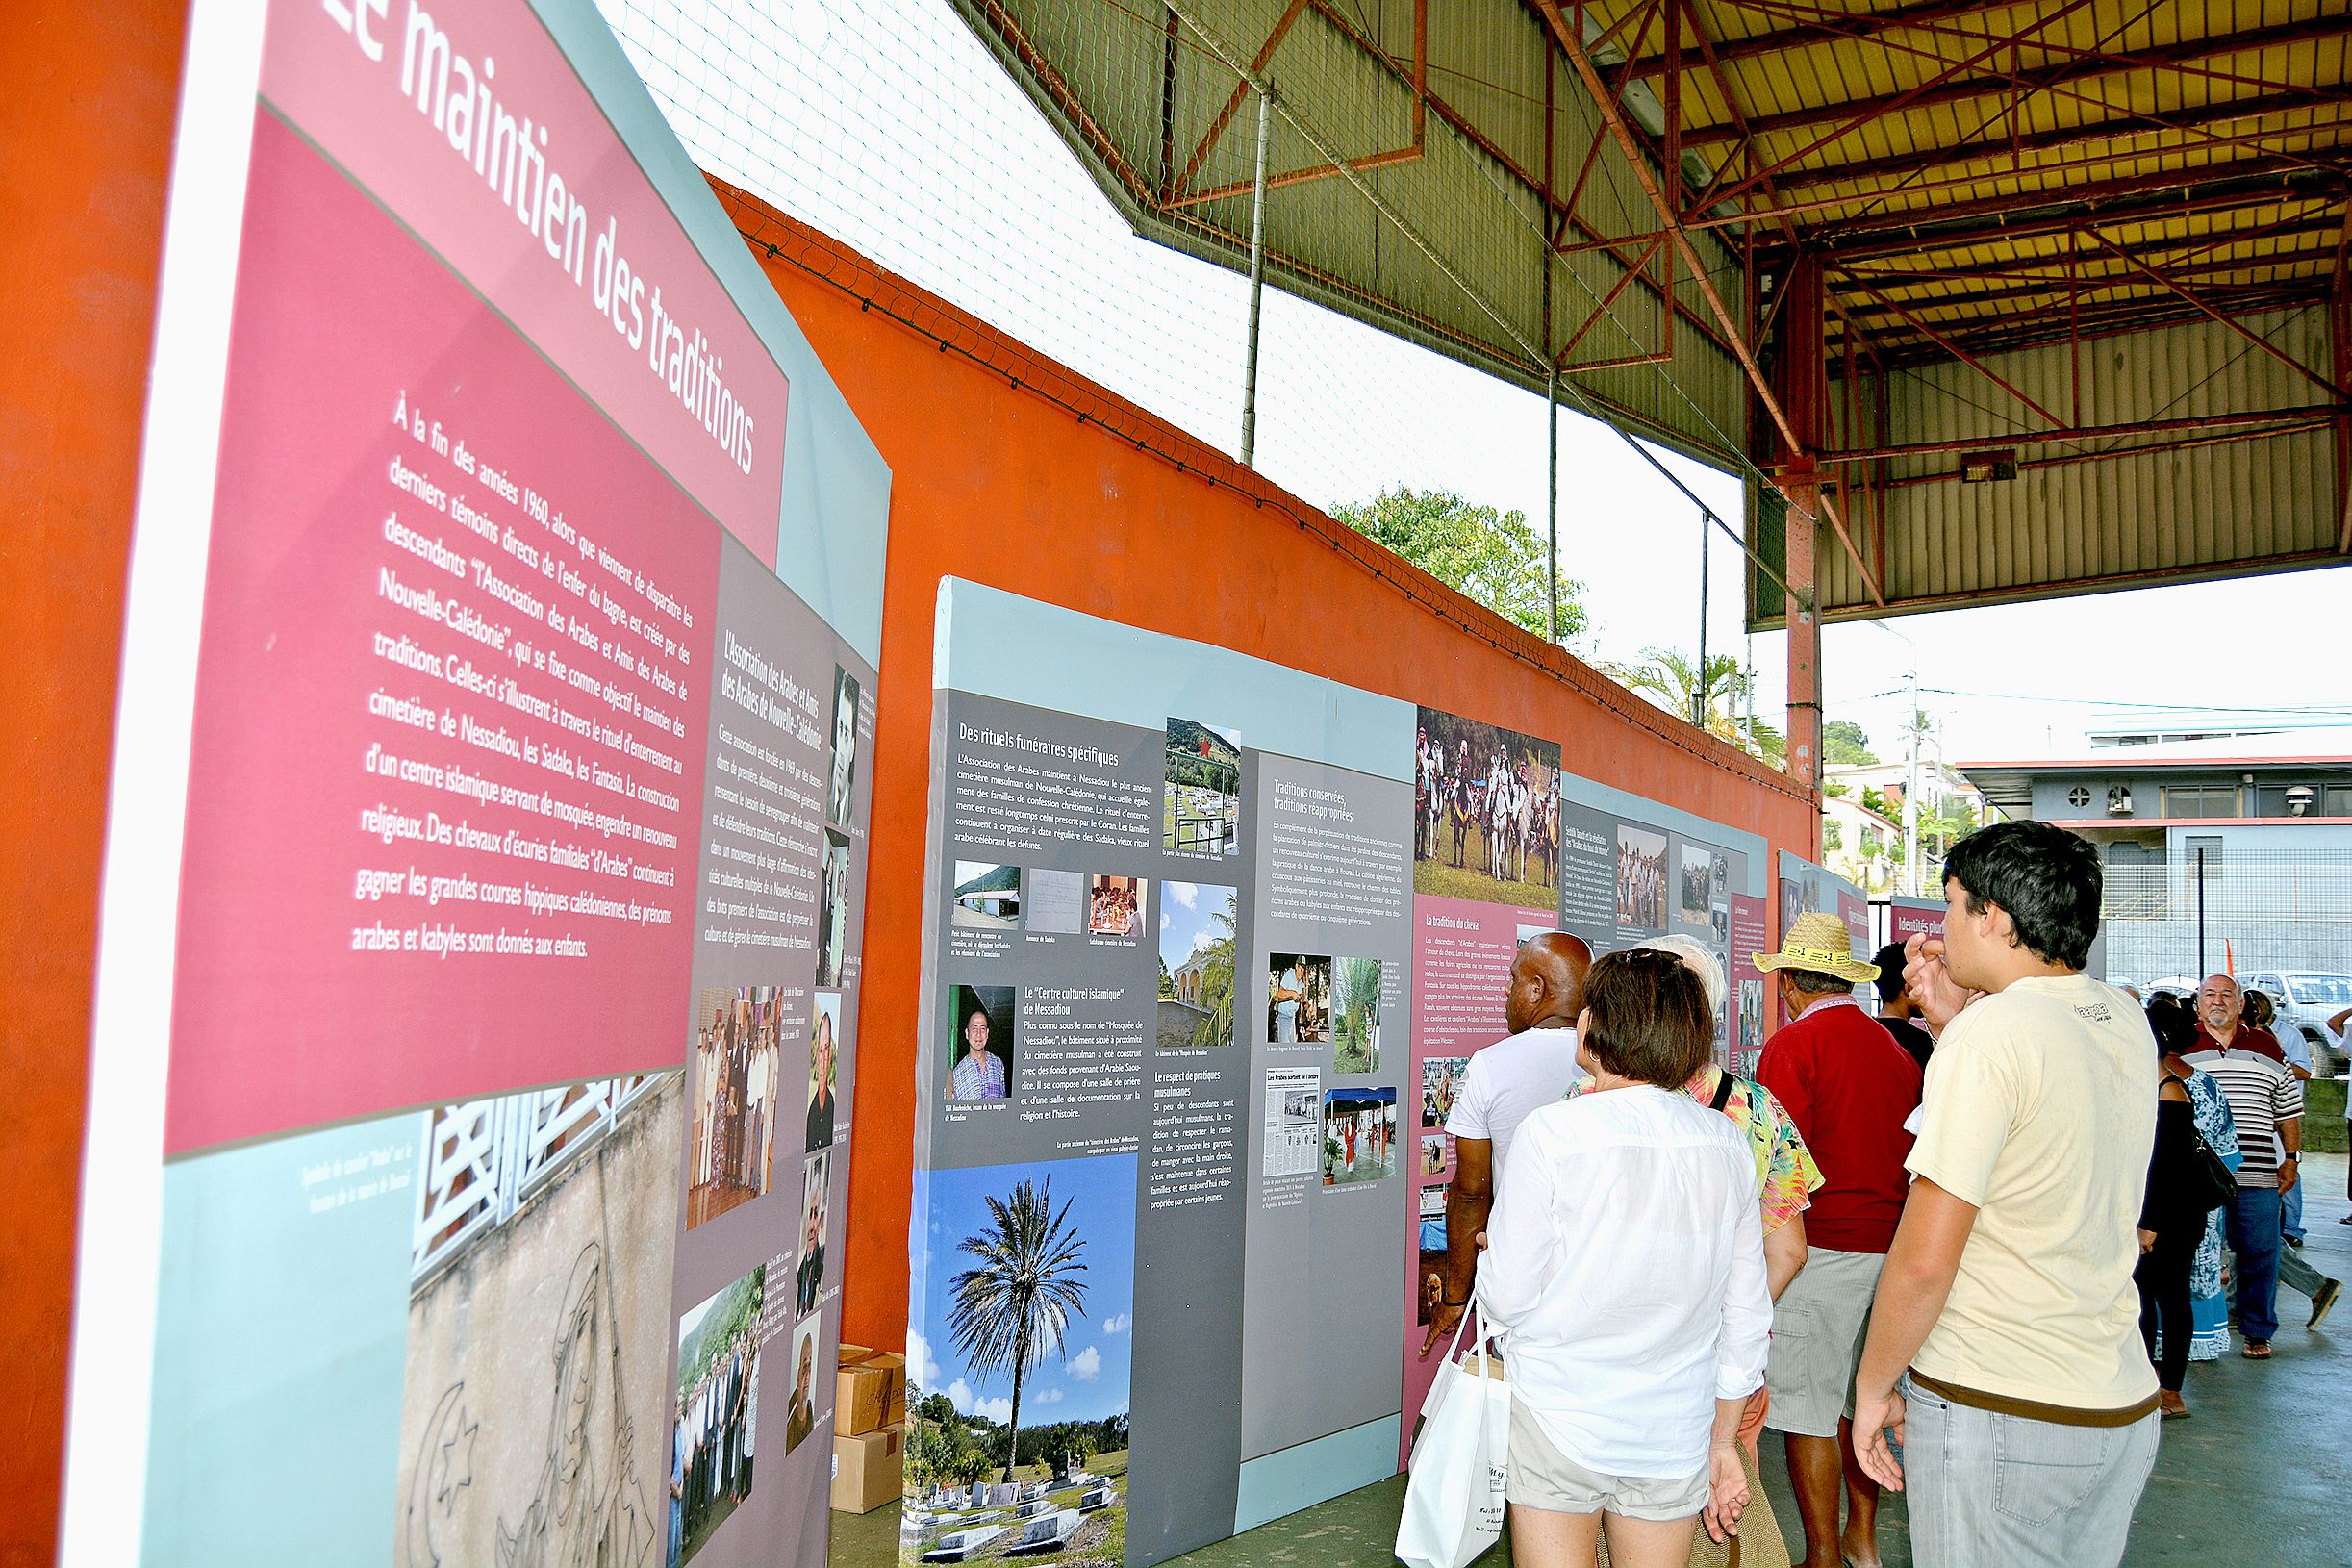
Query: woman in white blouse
{"points": [[1626, 1265]]}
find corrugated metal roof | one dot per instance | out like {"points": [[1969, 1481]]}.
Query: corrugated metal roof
{"points": [[1444, 232], [2030, 218]]}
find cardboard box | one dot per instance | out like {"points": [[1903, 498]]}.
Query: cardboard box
{"points": [[869, 1469], [851, 1354], [892, 1363], [861, 1399]]}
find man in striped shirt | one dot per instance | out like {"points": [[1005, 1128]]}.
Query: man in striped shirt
{"points": [[2266, 1102]]}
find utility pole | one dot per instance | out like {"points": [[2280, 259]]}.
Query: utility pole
{"points": [[1911, 788], [1257, 283], [1551, 514]]}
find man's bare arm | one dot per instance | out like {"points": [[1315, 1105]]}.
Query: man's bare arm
{"points": [[1912, 1288], [1468, 1199]]}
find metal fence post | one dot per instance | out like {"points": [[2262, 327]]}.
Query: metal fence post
{"points": [[1257, 283], [2201, 972]]}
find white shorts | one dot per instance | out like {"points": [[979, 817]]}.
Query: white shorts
{"points": [[1542, 1477]]}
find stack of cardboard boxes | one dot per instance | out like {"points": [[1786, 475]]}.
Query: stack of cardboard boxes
{"points": [[869, 1429]]}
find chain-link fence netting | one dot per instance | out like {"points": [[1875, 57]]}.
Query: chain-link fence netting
{"points": [[905, 130], [2262, 912]]}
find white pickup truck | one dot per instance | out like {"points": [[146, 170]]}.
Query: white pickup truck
{"points": [[2306, 999]]}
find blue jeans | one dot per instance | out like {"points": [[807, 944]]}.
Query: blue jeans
{"points": [[2290, 1212], [1987, 1489], [2253, 1224]]}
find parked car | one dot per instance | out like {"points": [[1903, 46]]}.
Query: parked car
{"points": [[2306, 999]]}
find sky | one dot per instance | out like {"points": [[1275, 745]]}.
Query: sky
{"points": [[887, 124], [1186, 918], [1090, 1380]]}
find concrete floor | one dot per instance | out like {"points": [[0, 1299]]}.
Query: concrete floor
{"points": [[2260, 1474]]}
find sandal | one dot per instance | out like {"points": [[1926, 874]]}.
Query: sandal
{"points": [[2256, 1349]]}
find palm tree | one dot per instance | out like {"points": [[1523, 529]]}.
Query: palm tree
{"points": [[1011, 1311], [1673, 680], [1217, 980]]}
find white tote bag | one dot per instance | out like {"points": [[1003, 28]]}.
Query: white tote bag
{"points": [[1454, 1499]]}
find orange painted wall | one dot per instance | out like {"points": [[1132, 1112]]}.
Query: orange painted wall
{"points": [[86, 96], [996, 477], [1005, 484]]}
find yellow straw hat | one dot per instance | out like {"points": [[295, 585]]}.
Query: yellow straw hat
{"points": [[1819, 941]]}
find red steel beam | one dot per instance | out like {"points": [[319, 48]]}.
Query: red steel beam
{"points": [[1606, 300], [1864, 111], [1572, 44], [2135, 317], [1961, 354], [1937, 240], [2308, 415], [1296, 176], [1843, 30], [2036, 200], [2259, 342], [1574, 47], [2110, 454], [2092, 284], [2139, 123], [1241, 91], [1861, 111]]}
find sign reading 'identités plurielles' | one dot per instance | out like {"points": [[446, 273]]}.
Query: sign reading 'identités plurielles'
{"points": [[508, 990]]}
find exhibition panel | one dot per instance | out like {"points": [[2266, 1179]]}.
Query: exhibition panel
{"points": [[1211, 942], [1807, 887], [478, 987]]}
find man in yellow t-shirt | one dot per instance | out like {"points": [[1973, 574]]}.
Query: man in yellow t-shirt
{"points": [[2028, 1415]]}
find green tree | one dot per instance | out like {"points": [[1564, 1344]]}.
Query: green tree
{"points": [[1494, 557], [1217, 980], [1011, 1311], [1844, 743], [1672, 678], [1167, 980]]}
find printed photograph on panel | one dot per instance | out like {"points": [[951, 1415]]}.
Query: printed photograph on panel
{"points": [[1698, 886], [1486, 813], [1359, 1135], [1199, 927], [833, 909], [980, 1036], [1441, 1079], [1430, 1272], [823, 1067], [713, 1441], [1053, 902], [737, 1068], [1298, 999], [1355, 1015], [1294, 1120], [1017, 1396], [841, 783], [986, 895], [800, 1408], [1751, 1015], [816, 1213], [1200, 808], [533, 1397], [1114, 906], [1641, 877], [1432, 1154]]}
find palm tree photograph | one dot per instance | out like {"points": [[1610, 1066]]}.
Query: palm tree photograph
{"points": [[1024, 1297], [1198, 926]]}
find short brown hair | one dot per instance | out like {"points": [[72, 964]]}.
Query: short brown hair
{"points": [[1650, 1020]]}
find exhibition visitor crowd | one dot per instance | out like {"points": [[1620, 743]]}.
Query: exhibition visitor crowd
{"points": [[1962, 1246]]}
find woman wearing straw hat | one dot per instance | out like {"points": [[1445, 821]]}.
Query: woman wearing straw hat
{"points": [[1850, 1089]]}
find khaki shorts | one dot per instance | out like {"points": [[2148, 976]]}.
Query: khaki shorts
{"points": [[1818, 1327], [1542, 1477]]}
